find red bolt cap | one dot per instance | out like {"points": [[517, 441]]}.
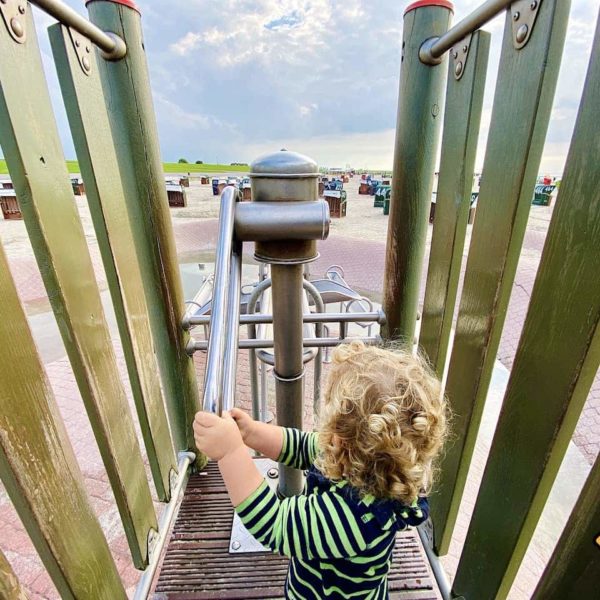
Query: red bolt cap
{"points": [[422, 3]]}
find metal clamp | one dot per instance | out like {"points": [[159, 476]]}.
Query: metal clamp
{"points": [[524, 13], [83, 49], [13, 13], [459, 54]]}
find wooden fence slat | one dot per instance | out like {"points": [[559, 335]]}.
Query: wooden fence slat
{"points": [[88, 118], [35, 160], [556, 362], [39, 469], [522, 105], [129, 102], [10, 587], [575, 564], [464, 102], [418, 126]]}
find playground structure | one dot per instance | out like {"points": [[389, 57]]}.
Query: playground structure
{"points": [[117, 148]]}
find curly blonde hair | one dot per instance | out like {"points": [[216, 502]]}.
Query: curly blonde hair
{"points": [[384, 422]]}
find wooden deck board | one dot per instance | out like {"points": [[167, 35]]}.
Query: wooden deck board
{"points": [[197, 564]]}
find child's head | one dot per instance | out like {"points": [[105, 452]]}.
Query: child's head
{"points": [[383, 423]]}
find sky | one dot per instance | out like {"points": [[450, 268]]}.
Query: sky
{"points": [[233, 79]]}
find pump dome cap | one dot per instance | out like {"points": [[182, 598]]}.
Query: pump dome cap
{"points": [[284, 164], [423, 3]]}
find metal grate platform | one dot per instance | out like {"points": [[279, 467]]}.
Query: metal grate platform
{"points": [[197, 564]]}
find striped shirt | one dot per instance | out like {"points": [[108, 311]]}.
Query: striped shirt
{"points": [[340, 545]]}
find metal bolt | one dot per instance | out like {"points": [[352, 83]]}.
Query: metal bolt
{"points": [[21, 9], [458, 69], [85, 61], [87, 49], [454, 54], [77, 43], [533, 5], [522, 33], [272, 473], [516, 16], [465, 48], [236, 545], [16, 27]]}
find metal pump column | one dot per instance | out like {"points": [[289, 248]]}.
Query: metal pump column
{"points": [[287, 177]]}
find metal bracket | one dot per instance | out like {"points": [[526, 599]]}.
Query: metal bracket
{"points": [[524, 13], [13, 12], [83, 50], [459, 54], [241, 540]]}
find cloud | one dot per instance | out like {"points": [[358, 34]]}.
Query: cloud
{"points": [[186, 44]]}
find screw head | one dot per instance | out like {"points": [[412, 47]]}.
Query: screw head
{"points": [[454, 54], [465, 48], [522, 33], [77, 43], [22, 9], [85, 61], [533, 5], [87, 49], [458, 69], [236, 545], [16, 27], [272, 473], [516, 16]]}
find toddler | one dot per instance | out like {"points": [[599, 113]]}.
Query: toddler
{"points": [[369, 470]]}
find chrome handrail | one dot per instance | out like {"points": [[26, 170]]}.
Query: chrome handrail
{"points": [[432, 49], [220, 344], [112, 46]]}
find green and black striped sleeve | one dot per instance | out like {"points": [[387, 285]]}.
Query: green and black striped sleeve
{"points": [[306, 527], [299, 448]]}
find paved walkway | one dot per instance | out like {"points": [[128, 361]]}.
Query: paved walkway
{"points": [[356, 243]]}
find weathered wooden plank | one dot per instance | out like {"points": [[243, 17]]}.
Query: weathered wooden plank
{"points": [[129, 101], [522, 104], [93, 140], [464, 102], [420, 103], [556, 361], [39, 469], [37, 166], [575, 564], [10, 587]]}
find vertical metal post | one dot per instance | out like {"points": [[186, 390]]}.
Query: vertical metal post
{"points": [[289, 367], [287, 177], [129, 100], [420, 109]]}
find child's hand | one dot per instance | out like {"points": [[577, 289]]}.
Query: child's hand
{"points": [[216, 436], [244, 422]]}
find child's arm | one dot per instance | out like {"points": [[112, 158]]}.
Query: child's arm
{"points": [[319, 525], [289, 446]]}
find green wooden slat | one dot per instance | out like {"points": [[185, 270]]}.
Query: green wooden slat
{"points": [[574, 569], [522, 105], [10, 588], [90, 126], [420, 106], [36, 163], [129, 102], [556, 361], [39, 469], [464, 101]]}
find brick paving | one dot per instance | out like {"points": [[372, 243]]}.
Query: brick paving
{"points": [[356, 243]]}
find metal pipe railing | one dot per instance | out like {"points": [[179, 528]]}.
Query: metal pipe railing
{"points": [[306, 343], [261, 319], [217, 346], [432, 49], [232, 330], [166, 518], [112, 46]]}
